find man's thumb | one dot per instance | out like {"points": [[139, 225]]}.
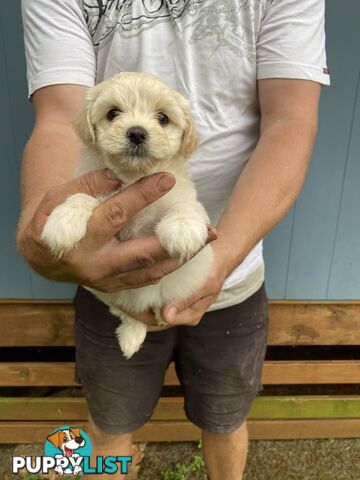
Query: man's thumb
{"points": [[92, 183]]}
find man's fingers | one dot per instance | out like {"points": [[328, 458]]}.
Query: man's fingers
{"points": [[186, 316], [138, 253], [92, 183], [145, 276], [111, 215], [212, 234], [139, 261], [125, 256]]}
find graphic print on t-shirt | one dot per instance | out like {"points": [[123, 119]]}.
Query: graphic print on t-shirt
{"points": [[130, 16], [220, 19]]}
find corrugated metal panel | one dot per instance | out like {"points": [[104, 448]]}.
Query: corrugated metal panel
{"points": [[14, 275], [316, 211], [344, 279]]}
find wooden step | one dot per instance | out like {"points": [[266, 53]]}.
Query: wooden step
{"points": [[35, 323], [171, 408], [61, 374], [165, 431]]}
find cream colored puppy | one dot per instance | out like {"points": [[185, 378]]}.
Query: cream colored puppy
{"points": [[135, 125]]}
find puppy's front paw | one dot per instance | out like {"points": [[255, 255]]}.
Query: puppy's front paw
{"points": [[181, 236], [77, 470], [66, 225]]}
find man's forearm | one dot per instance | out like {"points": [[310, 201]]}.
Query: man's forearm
{"points": [[50, 158], [52, 152], [266, 189]]}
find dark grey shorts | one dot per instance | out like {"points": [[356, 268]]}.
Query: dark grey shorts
{"points": [[218, 363]]}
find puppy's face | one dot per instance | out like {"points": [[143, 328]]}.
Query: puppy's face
{"points": [[67, 440], [134, 120]]}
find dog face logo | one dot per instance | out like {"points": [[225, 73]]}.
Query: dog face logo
{"points": [[67, 440], [68, 445]]}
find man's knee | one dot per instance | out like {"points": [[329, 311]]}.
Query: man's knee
{"points": [[100, 438], [240, 433]]}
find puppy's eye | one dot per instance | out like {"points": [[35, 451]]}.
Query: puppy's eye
{"points": [[114, 112], [163, 118]]}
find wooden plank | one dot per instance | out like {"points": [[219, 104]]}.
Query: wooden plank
{"points": [[308, 323], [36, 432], [291, 323], [28, 374], [311, 372], [73, 409], [56, 374], [34, 324], [299, 372], [301, 429], [65, 409]]}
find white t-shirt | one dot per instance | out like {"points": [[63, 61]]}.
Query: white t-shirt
{"points": [[212, 52]]}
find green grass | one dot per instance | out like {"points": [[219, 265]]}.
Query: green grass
{"points": [[28, 476], [184, 472]]}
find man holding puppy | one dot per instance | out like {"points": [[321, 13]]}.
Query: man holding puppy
{"points": [[252, 72]]}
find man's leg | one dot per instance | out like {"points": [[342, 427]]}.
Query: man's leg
{"points": [[121, 394], [225, 454], [219, 364], [105, 445]]}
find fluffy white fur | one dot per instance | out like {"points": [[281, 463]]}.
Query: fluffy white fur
{"points": [[177, 218]]}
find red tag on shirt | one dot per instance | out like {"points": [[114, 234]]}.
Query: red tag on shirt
{"points": [[326, 71]]}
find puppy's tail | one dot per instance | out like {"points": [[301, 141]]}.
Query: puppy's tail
{"points": [[130, 334]]}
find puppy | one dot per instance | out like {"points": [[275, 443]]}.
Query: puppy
{"points": [[135, 125]]}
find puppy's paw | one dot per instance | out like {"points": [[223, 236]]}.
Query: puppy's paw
{"points": [[182, 237], [66, 225], [130, 334]]}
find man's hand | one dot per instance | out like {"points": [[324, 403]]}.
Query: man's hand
{"points": [[189, 311], [99, 260]]}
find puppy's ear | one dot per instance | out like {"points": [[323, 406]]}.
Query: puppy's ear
{"points": [[76, 432], [55, 438], [190, 137], [82, 123]]}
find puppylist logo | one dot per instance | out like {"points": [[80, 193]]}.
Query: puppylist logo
{"points": [[68, 451]]}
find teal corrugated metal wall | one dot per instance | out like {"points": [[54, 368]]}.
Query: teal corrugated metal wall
{"points": [[313, 254]]}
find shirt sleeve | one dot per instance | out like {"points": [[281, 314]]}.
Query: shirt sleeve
{"points": [[291, 42], [58, 46]]}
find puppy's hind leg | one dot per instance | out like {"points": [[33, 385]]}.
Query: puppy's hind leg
{"points": [[130, 333]]}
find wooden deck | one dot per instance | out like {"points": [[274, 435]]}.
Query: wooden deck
{"points": [[40, 324]]}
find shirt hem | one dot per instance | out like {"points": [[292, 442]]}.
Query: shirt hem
{"points": [[241, 291], [292, 71], [58, 76]]}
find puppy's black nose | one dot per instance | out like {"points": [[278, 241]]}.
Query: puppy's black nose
{"points": [[137, 135], [79, 440]]}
